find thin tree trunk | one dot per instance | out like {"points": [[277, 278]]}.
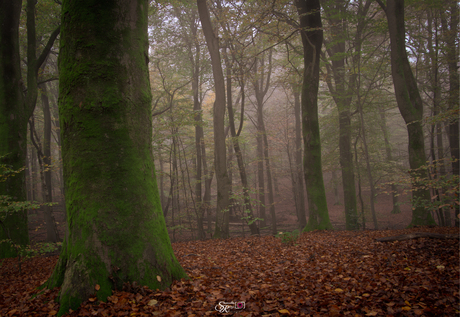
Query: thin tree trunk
{"points": [[394, 189], [271, 196], [360, 192], [261, 84], [261, 177], [438, 164], [300, 189], [368, 164], [51, 228], [249, 218], [450, 31]]}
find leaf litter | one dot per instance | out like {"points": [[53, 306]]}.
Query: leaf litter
{"points": [[322, 273]]}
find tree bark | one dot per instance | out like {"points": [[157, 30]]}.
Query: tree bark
{"points": [[343, 93], [220, 150], [312, 39], [13, 125], [450, 31], [394, 189], [116, 230], [51, 229], [15, 110], [300, 189], [271, 196], [261, 84], [249, 217], [411, 107]]}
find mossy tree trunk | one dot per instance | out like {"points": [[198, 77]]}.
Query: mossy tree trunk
{"points": [[116, 230], [411, 107], [312, 39]]}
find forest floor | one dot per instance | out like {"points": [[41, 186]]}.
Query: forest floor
{"points": [[322, 273]]}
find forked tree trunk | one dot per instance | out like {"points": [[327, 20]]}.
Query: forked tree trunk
{"points": [[116, 230], [249, 214]]}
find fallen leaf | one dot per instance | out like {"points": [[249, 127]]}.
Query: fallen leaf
{"points": [[284, 311]]}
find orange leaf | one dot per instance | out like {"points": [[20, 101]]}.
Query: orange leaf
{"points": [[284, 311], [97, 287]]}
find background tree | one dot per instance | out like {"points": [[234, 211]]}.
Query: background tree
{"points": [[116, 233], [220, 159], [411, 108], [15, 110], [312, 40]]}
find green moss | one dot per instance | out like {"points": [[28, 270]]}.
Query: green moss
{"points": [[117, 232]]}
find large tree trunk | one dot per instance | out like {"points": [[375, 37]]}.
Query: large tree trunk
{"points": [[116, 230], [312, 39], [220, 150], [411, 107]]}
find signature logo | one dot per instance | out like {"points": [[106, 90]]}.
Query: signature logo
{"points": [[225, 307]]}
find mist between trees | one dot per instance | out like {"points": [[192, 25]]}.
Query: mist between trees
{"points": [[136, 122], [256, 132]]}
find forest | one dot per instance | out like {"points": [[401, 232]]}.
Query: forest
{"points": [[221, 157]]}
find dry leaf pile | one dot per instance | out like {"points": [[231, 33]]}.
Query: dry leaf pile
{"points": [[320, 274]]}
